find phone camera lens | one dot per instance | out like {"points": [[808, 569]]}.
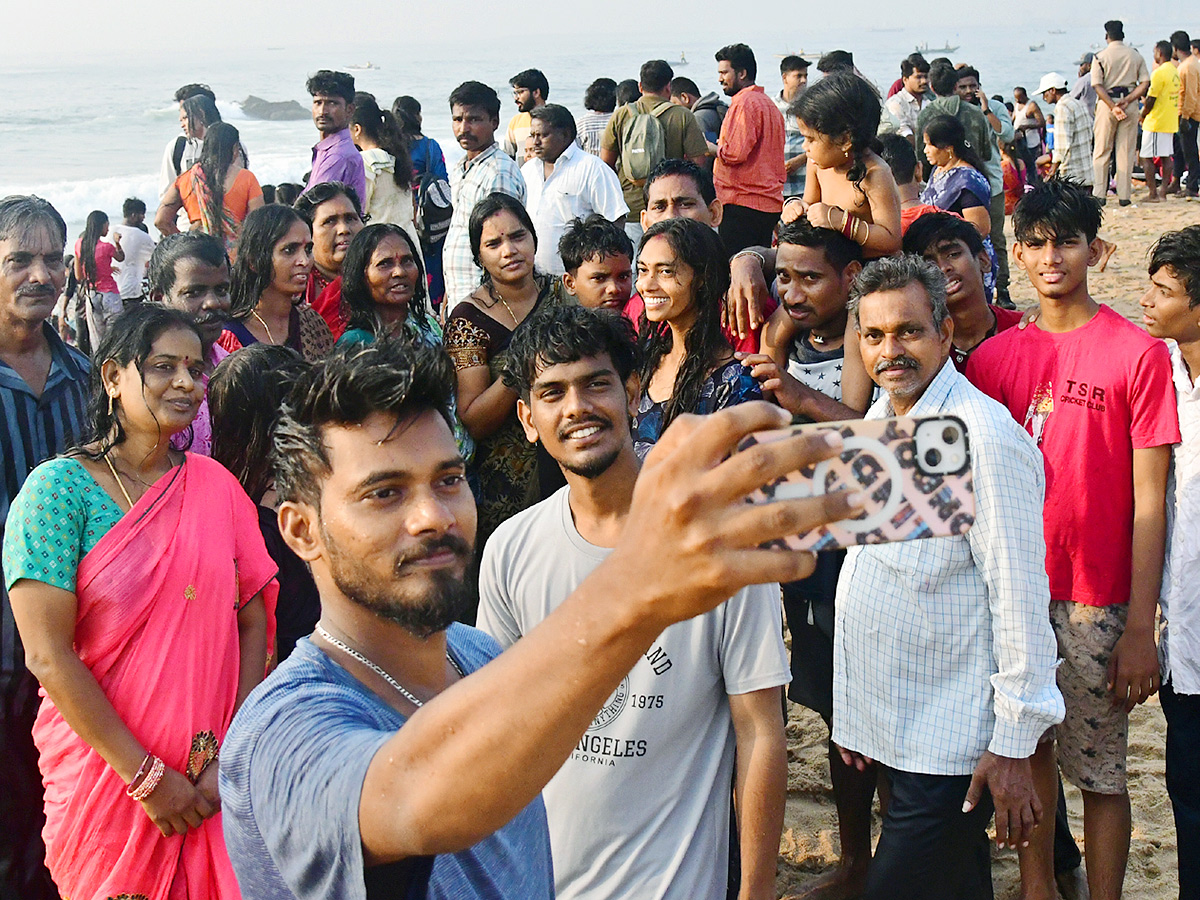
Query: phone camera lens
{"points": [[933, 457], [950, 435]]}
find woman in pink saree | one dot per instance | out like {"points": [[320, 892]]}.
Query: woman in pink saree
{"points": [[144, 597]]}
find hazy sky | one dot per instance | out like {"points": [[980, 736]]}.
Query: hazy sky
{"points": [[78, 27]]}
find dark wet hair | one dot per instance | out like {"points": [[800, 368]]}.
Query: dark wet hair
{"points": [[967, 72], [160, 271], [557, 117], [245, 394], [687, 169], [493, 204], [331, 84], [914, 62], [287, 192], [567, 334], [192, 90], [132, 206], [477, 94], [1181, 42], [1164, 48], [395, 378], [844, 105], [21, 213], [740, 57], [532, 80], [947, 131], [838, 249], [628, 91], [683, 85], [201, 109], [221, 142], [601, 96], [268, 193], [655, 75], [1180, 252], [934, 227], [357, 302], [698, 247], [306, 204], [128, 340], [254, 269], [93, 229], [592, 238], [897, 151], [407, 111], [381, 127], [836, 61], [943, 78], [1057, 208], [1115, 29]]}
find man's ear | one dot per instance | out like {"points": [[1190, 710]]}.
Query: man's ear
{"points": [[156, 296], [633, 393], [568, 281], [300, 531], [1017, 255], [853, 270], [1095, 250], [717, 211], [525, 417]]}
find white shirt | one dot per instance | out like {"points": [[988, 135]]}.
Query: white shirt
{"points": [[137, 246], [581, 184], [1179, 640], [641, 806], [943, 647], [191, 155], [905, 107]]}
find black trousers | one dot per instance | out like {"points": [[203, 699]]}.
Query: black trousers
{"points": [[929, 848], [743, 227], [23, 874], [1183, 782], [1188, 129]]}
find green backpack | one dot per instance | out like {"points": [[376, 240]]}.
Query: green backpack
{"points": [[643, 143]]}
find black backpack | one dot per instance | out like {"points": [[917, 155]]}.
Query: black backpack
{"points": [[434, 206]]}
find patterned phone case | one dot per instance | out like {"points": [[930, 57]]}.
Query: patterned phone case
{"points": [[905, 502]]}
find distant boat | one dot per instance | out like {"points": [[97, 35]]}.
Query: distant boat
{"points": [[1035, 48], [682, 60], [806, 54], [925, 48], [362, 67], [1057, 31]]}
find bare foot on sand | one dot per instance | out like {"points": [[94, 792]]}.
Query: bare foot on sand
{"points": [[1105, 255], [842, 883]]}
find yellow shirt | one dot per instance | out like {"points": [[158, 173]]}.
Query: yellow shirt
{"points": [[1164, 88]]}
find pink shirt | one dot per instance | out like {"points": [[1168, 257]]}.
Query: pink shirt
{"points": [[105, 282], [1089, 398], [748, 170]]}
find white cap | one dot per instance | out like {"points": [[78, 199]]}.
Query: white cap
{"points": [[1052, 80]]}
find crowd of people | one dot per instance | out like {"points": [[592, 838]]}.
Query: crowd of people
{"points": [[446, 581]]}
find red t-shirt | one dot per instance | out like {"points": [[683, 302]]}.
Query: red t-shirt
{"points": [[1005, 319], [749, 344], [105, 282], [1089, 397]]}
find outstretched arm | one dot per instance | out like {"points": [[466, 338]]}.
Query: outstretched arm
{"points": [[473, 757]]}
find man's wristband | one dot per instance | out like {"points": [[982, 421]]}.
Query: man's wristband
{"points": [[762, 260]]}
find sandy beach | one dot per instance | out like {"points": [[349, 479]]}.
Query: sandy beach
{"points": [[810, 840]]}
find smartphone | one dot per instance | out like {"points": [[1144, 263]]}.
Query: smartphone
{"points": [[915, 472]]}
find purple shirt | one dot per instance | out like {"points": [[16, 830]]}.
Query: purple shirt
{"points": [[335, 158]]}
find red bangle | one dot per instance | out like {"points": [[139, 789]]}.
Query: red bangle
{"points": [[850, 223]]}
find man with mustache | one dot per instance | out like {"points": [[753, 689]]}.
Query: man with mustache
{"points": [[190, 272], [43, 390], [474, 116], [335, 158], [705, 693], [376, 760], [944, 659]]}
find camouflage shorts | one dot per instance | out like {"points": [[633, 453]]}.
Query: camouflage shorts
{"points": [[1092, 738]]}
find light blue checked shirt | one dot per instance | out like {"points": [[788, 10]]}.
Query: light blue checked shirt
{"points": [[943, 647], [470, 181]]}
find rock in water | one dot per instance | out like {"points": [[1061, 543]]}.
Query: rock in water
{"points": [[275, 111]]}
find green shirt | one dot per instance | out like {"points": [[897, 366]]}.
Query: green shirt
{"points": [[682, 136]]}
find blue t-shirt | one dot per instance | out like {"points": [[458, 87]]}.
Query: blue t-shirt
{"points": [[292, 771]]}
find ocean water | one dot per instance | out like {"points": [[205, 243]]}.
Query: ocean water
{"points": [[87, 134]]}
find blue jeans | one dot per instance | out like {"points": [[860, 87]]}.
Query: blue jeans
{"points": [[1183, 782]]}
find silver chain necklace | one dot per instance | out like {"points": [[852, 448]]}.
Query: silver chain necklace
{"points": [[350, 651]]}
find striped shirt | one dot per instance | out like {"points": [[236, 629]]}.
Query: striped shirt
{"points": [[1073, 140], [591, 127], [942, 646], [33, 429], [470, 181]]}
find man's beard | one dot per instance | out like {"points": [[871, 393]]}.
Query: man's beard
{"points": [[593, 468], [423, 610]]}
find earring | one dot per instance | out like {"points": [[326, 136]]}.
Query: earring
{"points": [[110, 405]]}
